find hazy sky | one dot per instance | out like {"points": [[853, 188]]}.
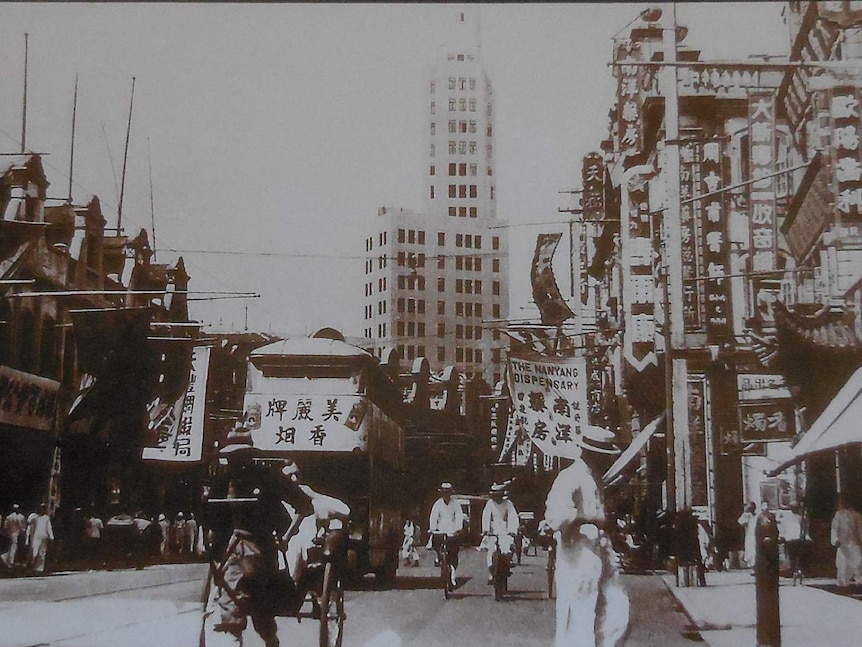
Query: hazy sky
{"points": [[277, 130]]}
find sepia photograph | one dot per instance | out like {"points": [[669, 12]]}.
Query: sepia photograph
{"points": [[430, 324]]}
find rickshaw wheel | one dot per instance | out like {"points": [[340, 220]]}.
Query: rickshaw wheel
{"points": [[331, 609]]}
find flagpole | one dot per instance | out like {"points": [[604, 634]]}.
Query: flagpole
{"points": [[24, 110], [125, 161]]}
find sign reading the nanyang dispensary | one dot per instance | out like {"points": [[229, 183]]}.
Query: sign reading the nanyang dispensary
{"points": [[549, 399]]}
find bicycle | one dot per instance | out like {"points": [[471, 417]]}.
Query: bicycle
{"points": [[501, 567], [443, 546]]}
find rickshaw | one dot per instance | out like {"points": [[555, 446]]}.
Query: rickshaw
{"points": [[319, 595]]}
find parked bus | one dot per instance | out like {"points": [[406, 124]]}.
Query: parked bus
{"points": [[329, 406]]}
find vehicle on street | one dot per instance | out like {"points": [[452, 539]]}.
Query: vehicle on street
{"points": [[330, 407]]}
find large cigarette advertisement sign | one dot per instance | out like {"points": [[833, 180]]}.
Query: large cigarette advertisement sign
{"points": [[549, 398], [308, 422], [180, 424]]}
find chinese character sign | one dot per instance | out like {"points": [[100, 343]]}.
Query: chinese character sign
{"points": [[593, 179], [701, 450], [549, 402], [846, 161], [180, 424], [761, 193], [689, 181], [714, 244], [767, 420], [309, 422]]}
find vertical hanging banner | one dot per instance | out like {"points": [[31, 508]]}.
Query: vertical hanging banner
{"points": [[761, 196], [180, 424], [763, 228], [552, 307], [846, 162], [549, 397], [698, 412], [593, 205], [640, 291], [714, 246], [632, 82], [689, 180]]}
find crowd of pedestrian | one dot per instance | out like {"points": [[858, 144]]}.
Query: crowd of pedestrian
{"points": [[76, 539]]}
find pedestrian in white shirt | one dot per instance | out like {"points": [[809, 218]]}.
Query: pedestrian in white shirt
{"points": [[847, 538], [499, 525], [14, 526], [446, 519], [41, 535]]}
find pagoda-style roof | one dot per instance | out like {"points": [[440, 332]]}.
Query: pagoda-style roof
{"points": [[826, 328]]}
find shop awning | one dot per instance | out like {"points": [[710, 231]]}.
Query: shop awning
{"points": [[838, 425], [632, 450]]}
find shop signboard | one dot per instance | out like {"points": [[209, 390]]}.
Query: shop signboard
{"points": [[714, 244], [844, 110], [761, 386], [180, 424], [814, 212], [767, 420], [689, 180], [27, 400], [761, 196], [701, 451], [549, 397]]}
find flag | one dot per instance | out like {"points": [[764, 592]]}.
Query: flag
{"points": [[120, 367], [553, 309]]}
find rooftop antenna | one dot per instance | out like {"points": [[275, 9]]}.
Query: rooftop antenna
{"points": [[72, 147], [125, 161], [24, 111], [152, 208]]}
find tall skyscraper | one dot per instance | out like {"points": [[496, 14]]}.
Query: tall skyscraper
{"points": [[437, 280]]}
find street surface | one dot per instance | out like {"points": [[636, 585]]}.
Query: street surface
{"points": [[159, 606]]}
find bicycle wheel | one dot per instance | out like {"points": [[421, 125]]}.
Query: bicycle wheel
{"points": [[499, 577], [552, 568], [331, 609], [445, 575]]}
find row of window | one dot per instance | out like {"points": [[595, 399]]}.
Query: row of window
{"points": [[471, 241], [461, 105], [383, 238], [461, 212], [417, 261]]}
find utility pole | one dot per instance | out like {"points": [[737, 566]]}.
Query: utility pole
{"points": [[24, 108], [676, 385]]}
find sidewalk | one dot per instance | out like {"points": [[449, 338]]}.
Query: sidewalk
{"points": [[725, 615]]}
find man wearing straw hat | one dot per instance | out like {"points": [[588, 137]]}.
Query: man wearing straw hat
{"points": [[447, 518], [592, 608]]}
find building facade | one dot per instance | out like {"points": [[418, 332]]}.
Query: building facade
{"points": [[724, 268], [435, 280]]}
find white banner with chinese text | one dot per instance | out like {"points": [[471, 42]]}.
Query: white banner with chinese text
{"points": [[336, 422], [549, 398], [181, 426]]}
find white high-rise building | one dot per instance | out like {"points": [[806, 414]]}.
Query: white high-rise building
{"points": [[437, 280]]}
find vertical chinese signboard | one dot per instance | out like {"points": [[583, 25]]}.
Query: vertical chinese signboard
{"points": [[846, 166], [640, 291], [761, 198], [701, 450], [180, 425], [714, 245], [593, 204], [689, 180], [633, 81]]}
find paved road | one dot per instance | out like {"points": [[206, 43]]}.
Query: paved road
{"points": [[159, 607]]}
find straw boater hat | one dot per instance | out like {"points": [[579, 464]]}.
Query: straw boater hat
{"points": [[497, 488], [446, 486]]}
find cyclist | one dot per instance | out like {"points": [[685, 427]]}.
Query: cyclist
{"points": [[500, 520], [447, 518]]}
